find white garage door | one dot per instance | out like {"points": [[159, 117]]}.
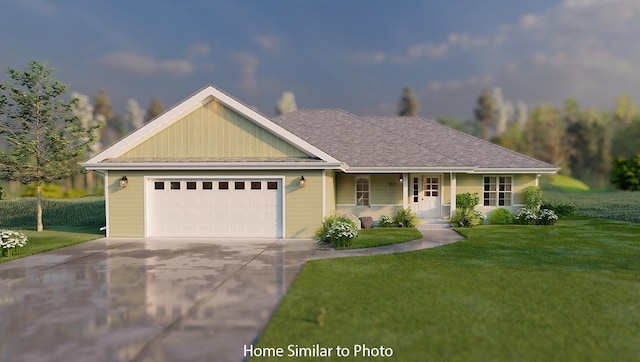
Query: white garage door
{"points": [[215, 208]]}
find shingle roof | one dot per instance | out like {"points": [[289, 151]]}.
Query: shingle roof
{"points": [[402, 142]]}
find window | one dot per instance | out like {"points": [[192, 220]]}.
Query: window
{"points": [[223, 185], [191, 185], [175, 185], [362, 191], [416, 190], [431, 186], [497, 191], [158, 185], [207, 185], [272, 185], [239, 185], [256, 185]]}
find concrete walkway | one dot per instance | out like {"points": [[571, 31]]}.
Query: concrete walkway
{"points": [[432, 235]]}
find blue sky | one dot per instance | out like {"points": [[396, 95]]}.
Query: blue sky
{"points": [[354, 55]]}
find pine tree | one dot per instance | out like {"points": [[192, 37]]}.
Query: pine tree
{"points": [[408, 103], [44, 138], [102, 105]]}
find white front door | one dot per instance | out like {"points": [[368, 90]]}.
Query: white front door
{"points": [[427, 195]]}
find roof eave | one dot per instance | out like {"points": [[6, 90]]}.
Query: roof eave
{"points": [[193, 166], [465, 169]]}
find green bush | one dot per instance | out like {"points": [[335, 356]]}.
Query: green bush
{"points": [[467, 200], [534, 197], [3, 194], [625, 174], [75, 193], [49, 191], [406, 218], [501, 216], [386, 222], [561, 208], [21, 213], [324, 233], [466, 218]]}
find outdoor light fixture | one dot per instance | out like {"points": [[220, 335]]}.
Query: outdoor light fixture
{"points": [[400, 178], [124, 181], [301, 181]]}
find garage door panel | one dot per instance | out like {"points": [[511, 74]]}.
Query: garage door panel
{"points": [[215, 208]]}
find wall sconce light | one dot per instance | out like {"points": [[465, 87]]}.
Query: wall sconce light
{"points": [[400, 178], [124, 181], [301, 181]]}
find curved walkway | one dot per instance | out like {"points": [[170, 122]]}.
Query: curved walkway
{"points": [[432, 236]]}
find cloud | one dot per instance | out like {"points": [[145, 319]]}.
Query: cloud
{"points": [[197, 50], [248, 66], [270, 44], [143, 65], [430, 50], [457, 84]]}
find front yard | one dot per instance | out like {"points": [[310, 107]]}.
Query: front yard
{"points": [[563, 292]]}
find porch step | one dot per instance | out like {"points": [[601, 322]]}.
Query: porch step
{"points": [[434, 224]]}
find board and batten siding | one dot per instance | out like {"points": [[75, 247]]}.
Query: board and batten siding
{"points": [[302, 210], [330, 195], [214, 131]]}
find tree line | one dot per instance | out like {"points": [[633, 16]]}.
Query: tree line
{"points": [[597, 146]]}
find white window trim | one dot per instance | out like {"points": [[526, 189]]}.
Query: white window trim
{"points": [[513, 191], [355, 186]]}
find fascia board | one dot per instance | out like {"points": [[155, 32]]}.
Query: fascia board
{"points": [[515, 170], [198, 99], [407, 169], [212, 166]]}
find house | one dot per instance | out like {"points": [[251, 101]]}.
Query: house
{"points": [[212, 166]]}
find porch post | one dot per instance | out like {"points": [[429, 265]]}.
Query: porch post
{"points": [[452, 209], [405, 190]]}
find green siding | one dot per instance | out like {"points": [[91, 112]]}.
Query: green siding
{"points": [[302, 214], [330, 196], [345, 189], [386, 189], [214, 131], [126, 205]]}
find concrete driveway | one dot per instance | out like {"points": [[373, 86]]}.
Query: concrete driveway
{"points": [[144, 299]]}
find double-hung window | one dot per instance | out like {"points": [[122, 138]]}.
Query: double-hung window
{"points": [[362, 190], [498, 190]]}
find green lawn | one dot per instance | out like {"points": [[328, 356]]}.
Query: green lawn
{"points": [[368, 238], [563, 292], [53, 238]]}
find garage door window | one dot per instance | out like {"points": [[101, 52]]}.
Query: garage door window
{"points": [[272, 185], [239, 185], [175, 185], [207, 185], [158, 185], [223, 185], [191, 185], [256, 185]]}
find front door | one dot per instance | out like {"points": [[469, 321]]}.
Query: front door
{"points": [[427, 193]]}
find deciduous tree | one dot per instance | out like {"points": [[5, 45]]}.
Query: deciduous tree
{"points": [[484, 112], [155, 109], [44, 138]]}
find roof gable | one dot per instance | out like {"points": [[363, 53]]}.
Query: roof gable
{"points": [[214, 131], [176, 134]]}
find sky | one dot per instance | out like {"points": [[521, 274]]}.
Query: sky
{"points": [[354, 55]]}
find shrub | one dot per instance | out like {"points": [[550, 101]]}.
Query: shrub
{"points": [[525, 216], [21, 213], [533, 197], [342, 233], [9, 240], [561, 208], [501, 216], [406, 218], [3, 194], [49, 191], [547, 217], [466, 218], [625, 174], [386, 222], [75, 193], [324, 232], [467, 200]]}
